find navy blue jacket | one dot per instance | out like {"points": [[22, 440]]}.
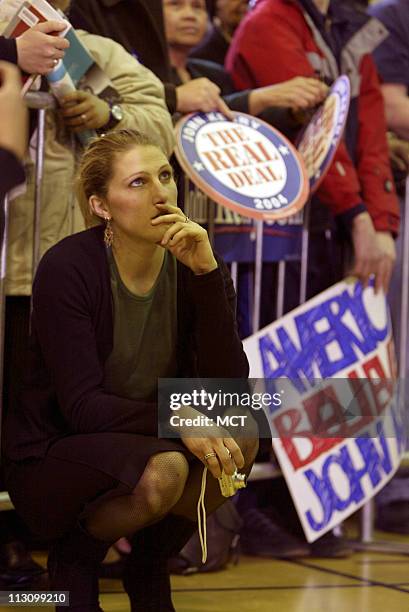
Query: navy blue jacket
{"points": [[392, 56]]}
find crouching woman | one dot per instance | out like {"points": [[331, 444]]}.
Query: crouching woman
{"points": [[138, 296]]}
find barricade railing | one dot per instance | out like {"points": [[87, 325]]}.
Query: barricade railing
{"points": [[3, 270], [368, 511], [270, 470], [200, 208], [41, 102], [208, 209]]}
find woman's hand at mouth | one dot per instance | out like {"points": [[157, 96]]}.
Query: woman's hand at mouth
{"points": [[186, 240]]}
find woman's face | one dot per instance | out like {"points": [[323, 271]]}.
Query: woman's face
{"points": [[142, 178], [186, 22]]}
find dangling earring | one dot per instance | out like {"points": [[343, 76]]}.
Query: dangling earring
{"points": [[108, 233]]}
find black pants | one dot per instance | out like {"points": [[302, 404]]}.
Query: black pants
{"points": [[15, 351], [50, 494], [15, 348]]}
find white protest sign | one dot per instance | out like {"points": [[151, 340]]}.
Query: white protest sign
{"points": [[338, 433], [245, 164]]}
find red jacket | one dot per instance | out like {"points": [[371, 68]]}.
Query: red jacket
{"points": [[275, 43]]}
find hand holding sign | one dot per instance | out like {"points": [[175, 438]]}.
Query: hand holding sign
{"points": [[201, 95], [387, 246], [297, 93], [374, 253]]}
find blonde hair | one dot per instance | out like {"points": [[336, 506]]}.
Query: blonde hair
{"points": [[96, 166]]}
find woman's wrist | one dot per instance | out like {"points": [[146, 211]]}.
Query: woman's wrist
{"points": [[205, 268], [258, 101]]}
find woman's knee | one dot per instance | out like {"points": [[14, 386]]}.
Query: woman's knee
{"points": [[163, 482]]}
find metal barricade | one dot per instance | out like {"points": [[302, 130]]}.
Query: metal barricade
{"points": [[368, 511], [267, 470], [3, 269], [41, 102], [204, 211], [199, 208]]}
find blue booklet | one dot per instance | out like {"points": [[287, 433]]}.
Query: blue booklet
{"points": [[79, 70]]}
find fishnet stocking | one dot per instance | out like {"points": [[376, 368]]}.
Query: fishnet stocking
{"points": [[158, 490], [146, 578]]}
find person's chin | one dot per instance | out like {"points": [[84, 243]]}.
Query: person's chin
{"points": [[157, 236], [189, 40]]}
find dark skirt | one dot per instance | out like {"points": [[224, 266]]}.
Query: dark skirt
{"points": [[78, 473]]}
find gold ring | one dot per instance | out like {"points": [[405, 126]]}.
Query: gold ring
{"points": [[84, 117], [208, 455]]}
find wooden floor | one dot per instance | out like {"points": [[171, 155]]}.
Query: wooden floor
{"points": [[366, 582]]}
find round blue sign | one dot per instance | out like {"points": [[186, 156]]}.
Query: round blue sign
{"points": [[245, 164], [320, 140]]}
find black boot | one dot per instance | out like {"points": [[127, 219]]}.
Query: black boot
{"points": [[146, 578], [73, 563]]}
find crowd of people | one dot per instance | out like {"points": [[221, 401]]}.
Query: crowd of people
{"points": [[129, 289]]}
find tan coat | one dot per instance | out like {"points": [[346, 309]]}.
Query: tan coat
{"points": [[144, 109]]}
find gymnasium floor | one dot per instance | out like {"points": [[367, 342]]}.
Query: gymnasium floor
{"points": [[367, 582]]}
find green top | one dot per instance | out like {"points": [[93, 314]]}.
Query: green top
{"points": [[145, 329]]}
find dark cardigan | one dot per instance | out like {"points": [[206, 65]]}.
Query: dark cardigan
{"points": [[137, 25], [12, 173], [72, 335], [8, 50]]}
